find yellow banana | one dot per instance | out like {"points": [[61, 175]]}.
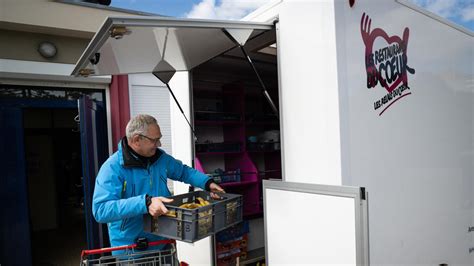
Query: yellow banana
{"points": [[202, 201], [171, 214], [193, 206], [189, 205]]}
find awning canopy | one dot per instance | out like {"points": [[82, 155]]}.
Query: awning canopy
{"points": [[126, 45]]}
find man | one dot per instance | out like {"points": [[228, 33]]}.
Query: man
{"points": [[133, 182]]}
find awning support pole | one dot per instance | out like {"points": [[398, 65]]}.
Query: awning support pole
{"points": [[264, 89], [176, 101], [181, 109], [249, 60]]}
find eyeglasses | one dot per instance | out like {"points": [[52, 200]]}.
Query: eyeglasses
{"points": [[157, 140]]}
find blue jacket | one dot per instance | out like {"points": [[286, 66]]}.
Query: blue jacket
{"points": [[122, 185]]}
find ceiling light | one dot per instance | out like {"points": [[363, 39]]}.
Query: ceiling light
{"points": [[47, 49]]}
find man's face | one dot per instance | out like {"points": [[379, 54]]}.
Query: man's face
{"points": [[146, 144]]}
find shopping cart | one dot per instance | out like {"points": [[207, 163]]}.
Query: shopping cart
{"points": [[134, 256]]}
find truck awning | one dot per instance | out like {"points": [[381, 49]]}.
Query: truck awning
{"points": [[125, 45]]}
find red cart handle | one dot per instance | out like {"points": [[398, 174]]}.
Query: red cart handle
{"points": [[103, 250]]}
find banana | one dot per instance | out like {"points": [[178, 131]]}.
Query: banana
{"points": [[193, 206], [185, 205], [190, 205], [202, 201], [171, 214]]}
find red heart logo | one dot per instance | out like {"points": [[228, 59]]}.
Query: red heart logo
{"points": [[390, 70]]}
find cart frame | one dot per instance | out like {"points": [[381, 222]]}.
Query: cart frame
{"points": [[134, 255]]}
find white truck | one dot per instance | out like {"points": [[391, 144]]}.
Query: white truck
{"points": [[373, 94]]}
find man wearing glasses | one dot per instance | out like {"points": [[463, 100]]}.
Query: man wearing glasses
{"points": [[133, 182]]}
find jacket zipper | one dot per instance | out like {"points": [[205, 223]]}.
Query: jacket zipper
{"points": [[124, 221], [149, 174]]}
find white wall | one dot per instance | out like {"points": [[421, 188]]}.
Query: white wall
{"points": [[416, 159], [148, 95], [309, 100]]}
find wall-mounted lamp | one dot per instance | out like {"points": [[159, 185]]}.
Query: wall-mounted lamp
{"points": [[47, 49]]}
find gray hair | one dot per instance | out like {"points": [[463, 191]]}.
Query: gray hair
{"points": [[139, 125]]}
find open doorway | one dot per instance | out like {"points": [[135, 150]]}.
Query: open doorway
{"points": [[55, 192], [44, 222]]}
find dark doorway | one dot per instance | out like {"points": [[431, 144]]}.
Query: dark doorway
{"points": [[55, 192], [43, 221]]}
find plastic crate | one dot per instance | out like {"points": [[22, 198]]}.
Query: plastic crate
{"points": [[190, 225], [220, 176]]}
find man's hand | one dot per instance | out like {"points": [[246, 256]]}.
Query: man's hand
{"points": [[216, 190], [157, 206]]}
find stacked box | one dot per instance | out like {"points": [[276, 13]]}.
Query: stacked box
{"points": [[232, 244], [237, 243], [229, 258]]}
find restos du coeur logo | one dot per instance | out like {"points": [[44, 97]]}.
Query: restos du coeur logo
{"points": [[386, 63]]}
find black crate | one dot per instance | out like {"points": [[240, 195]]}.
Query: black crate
{"points": [[190, 225]]}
